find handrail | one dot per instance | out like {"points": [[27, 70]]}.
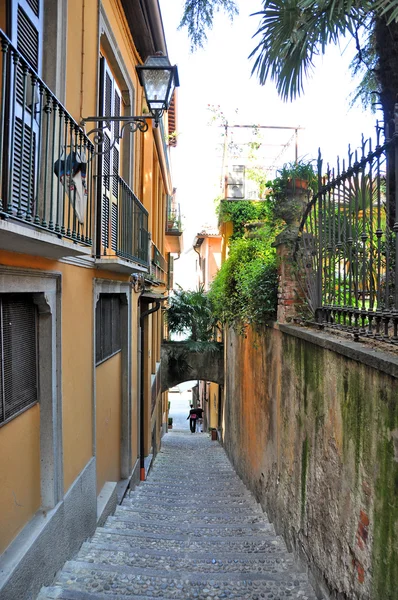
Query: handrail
{"points": [[123, 222]]}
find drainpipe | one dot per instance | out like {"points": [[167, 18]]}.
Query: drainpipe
{"points": [[142, 372]]}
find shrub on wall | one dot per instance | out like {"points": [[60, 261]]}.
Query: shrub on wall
{"points": [[244, 292]]}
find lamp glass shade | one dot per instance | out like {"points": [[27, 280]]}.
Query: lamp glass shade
{"points": [[157, 77]]}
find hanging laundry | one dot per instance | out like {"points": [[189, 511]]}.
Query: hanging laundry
{"points": [[72, 174]]}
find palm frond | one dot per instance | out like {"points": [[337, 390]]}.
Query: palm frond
{"points": [[292, 33]]}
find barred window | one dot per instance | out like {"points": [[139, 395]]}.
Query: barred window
{"points": [[107, 324], [18, 354]]}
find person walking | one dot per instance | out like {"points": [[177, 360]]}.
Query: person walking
{"points": [[192, 419], [199, 420]]}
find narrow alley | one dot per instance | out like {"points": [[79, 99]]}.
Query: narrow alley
{"points": [[192, 530]]}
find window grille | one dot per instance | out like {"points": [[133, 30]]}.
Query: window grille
{"points": [[18, 354], [107, 324]]}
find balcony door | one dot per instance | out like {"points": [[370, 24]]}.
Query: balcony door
{"points": [[26, 33], [110, 105]]}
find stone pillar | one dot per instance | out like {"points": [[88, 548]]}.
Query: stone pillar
{"points": [[290, 295]]}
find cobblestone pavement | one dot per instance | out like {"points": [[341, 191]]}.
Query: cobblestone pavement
{"points": [[191, 531]]}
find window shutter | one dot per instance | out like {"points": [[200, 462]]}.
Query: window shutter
{"points": [[107, 321], [18, 385], [105, 221], [27, 34], [110, 105], [114, 226], [27, 30], [24, 171]]}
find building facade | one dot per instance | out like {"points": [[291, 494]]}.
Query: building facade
{"points": [[208, 246], [84, 268]]}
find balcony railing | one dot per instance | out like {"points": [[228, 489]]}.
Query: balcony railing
{"points": [[159, 264], [45, 158], [173, 222], [122, 221]]}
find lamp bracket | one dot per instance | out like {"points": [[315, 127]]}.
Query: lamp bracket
{"points": [[130, 123]]}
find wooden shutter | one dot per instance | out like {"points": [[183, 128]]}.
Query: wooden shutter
{"points": [[26, 32], [110, 105], [18, 353], [107, 322]]}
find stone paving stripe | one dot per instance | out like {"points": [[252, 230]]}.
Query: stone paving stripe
{"points": [[198, 526], [140, 534], [72, 566]]}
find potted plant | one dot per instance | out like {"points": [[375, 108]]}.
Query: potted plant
{"points": [[170, 422], [292, 189]]}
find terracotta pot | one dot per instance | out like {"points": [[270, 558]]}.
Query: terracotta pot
{"points": [[214, 436]]}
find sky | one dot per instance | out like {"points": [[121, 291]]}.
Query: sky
{"points": [[220, 75]]}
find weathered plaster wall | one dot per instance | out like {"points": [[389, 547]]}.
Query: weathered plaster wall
{"points": [[314, 434]]}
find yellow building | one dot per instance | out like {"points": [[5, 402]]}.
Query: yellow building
{"points": [[208, 246], [84, 261]]}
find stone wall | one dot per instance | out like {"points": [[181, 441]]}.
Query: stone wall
{"points": [[311, 425]]}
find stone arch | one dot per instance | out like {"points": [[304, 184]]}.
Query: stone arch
{"points": [[180, 364]]}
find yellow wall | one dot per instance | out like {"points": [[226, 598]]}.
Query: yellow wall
{"points": [[77, 357], [135, 375], [213, 400], [108, 419], [82, 58], [77, 366], [19, 473]]}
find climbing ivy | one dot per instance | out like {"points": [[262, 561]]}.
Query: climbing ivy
{"points": [[244, 291], [241, 212]]}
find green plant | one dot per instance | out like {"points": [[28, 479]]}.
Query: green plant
{"points": [[190, 313], [170, 421], [293, 171], [241, 212], [244, 291]]}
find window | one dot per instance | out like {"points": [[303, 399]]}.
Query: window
{"points": [[236, 182], [107, 327], [18, 354]]}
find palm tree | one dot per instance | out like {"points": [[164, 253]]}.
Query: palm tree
{"points": [[293, 32], [190, 313]]}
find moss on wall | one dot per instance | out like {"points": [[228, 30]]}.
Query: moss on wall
{"points": [[326, 470], [385, 550], [304, 469]]}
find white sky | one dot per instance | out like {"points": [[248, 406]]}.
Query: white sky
{"points": [[220, 75]]}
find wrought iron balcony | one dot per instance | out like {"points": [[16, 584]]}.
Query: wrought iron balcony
{"points": [[122, 223], [173, 224], [46, 179], [159, 265]]}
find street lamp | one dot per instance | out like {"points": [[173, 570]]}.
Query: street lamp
{"points": [[159, 79]]}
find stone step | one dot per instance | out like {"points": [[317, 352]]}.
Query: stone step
{"points": [[159, 506], [114, 581], [254, 543], [274, 546], [192, 562], [150, 491], [185, 489], [191, 515], [168, 526], [60, 593]]}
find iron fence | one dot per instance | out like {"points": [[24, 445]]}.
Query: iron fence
{"points": [[347, 248], [45, 158], [122, 222]]}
